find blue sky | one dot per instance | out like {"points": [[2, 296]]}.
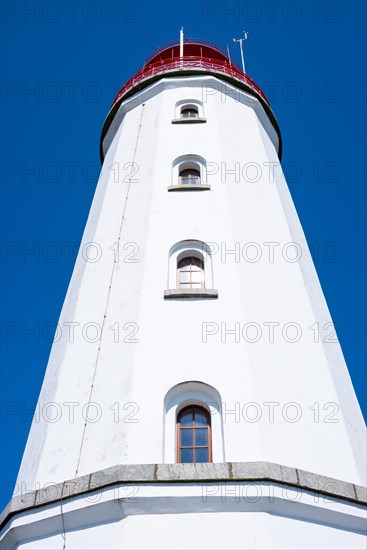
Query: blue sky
{"points": [[308, 57]]}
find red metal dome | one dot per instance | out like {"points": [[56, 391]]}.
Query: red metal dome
{"points": [[192, 47]]}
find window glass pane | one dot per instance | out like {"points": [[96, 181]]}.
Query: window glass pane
{"points": [[201, 437], [196, 276], [189, 180], [200, 419], [201, 455], [189, 112], [184, 263], [190, 262], [186, 455], [190, 172], [193, 436], [186, 419], [184, 276], [185, 285], [198, 263], [186, 438]]}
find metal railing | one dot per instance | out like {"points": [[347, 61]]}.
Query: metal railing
{"points": [[186, 63]]}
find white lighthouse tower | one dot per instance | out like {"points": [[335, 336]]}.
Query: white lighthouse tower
{"points": [[196, 395]]}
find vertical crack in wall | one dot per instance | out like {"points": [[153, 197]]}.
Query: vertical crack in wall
{"points": [[109, 292], [63, 534]]}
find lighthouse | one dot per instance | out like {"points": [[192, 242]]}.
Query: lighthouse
{"points": [[196, 395]]}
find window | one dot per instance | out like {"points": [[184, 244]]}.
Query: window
{"points": [[189, 173], [189, 112], [193, 435], [189, 394], [189, 176], [190, 273]]}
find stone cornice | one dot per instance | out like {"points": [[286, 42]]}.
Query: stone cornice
{"points": [[186, 473]]}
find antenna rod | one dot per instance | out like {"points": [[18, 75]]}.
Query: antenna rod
{"points": [[229, 55], [240, 40], [181, 41]]}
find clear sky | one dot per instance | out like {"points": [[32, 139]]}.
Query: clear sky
{"points": [[61, 67]]}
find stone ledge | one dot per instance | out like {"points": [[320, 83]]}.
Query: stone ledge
{"points": [[361, 493], [326, 484], [123, 473], [193, 472], [188, 120], [190, 293], [199, 187], [264, 470], [186, 473]]}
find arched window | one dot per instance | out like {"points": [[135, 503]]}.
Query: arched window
{"points": [[189, 111], [189, 176], [192, 393], [189, 173], [190, 272], [194, 435]]}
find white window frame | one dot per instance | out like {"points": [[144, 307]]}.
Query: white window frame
{"points": [[186, 394], [189, 161], [186, 104], [197, 249]]}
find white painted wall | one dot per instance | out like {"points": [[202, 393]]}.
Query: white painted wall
{"points": [[210, 531], [206, 516], [170, 349]]}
